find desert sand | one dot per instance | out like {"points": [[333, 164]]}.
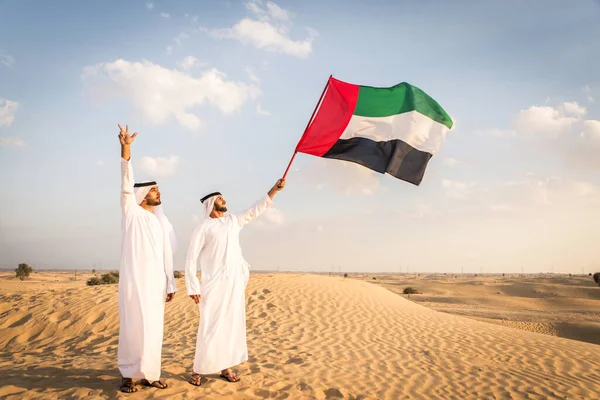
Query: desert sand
{"points": [[309, 337]]}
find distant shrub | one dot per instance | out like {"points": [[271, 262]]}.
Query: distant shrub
{"points": [[106, 279], [590, 274], [93, 271], [23, 271], [94, 281], [345, 275], [177, 274], [410, 290], [374, 278], [597, 278]]}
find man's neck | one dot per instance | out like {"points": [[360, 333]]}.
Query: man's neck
{"points": [[216, 214], [147, 207]]}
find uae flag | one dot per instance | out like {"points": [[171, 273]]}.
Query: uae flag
{"points": [[395, 129]]}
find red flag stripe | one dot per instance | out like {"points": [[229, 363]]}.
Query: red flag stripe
{"points": [[332, 118]]}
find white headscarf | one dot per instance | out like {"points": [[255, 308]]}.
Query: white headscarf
{"points": [[170, 242], [209, 204]]}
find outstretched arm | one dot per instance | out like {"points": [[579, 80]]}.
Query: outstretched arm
{"points": [[191, 280], [260, 206], [127, 195]]}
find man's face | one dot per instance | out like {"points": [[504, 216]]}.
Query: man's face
{"points": [[220, 204], [153, 197]]}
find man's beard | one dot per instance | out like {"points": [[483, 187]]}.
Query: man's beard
{"points": [[220, 208], [156, 202]]}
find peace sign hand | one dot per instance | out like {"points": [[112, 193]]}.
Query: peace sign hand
{"points": [[124, 137]]}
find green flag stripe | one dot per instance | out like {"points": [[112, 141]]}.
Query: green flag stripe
{"points": [[398, 99]]}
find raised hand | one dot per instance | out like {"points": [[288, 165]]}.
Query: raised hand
{"points": [[279, 185], [124, 137]]}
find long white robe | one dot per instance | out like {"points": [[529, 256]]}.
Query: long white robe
{"points": [[144, 280], [221, 341]]}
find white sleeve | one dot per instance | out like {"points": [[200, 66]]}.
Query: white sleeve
{"points": [[170, 273], [254, 211], [127, 194], [196, 244]]}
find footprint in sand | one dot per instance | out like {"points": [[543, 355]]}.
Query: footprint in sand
{"points": [[261, 297], [333, 394], [262, 393], [295, 360], [266, 291], [262, 315], [270, 305], [303, 387]]}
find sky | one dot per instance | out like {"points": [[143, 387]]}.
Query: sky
{"points": [[221, 91]]}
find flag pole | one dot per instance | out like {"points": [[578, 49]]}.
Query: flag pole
{"points": [[307, 125]]}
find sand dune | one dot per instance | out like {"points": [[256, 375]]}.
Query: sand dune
{"points": [[557, 305], [309, 337]]}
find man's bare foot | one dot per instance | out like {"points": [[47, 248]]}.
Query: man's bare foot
{"points": [[195, 379], [229, 375], [160, 384], [127, 386]]}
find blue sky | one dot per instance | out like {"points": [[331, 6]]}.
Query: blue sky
{"points": [[221, 91]]}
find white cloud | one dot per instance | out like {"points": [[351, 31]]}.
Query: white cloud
{"points": [[536, 192], [8, 109], [268, 11], [190, 62], [550, 121], [251, 75], [269, 31], [150, 6], [180, 38], [450, 161], [100, 163], [342, 176], [260, 111], [591, 130], [158, 167], [497, 133], [270, 219], [7, 60], [11, 141], [161, 94], [457, 189], [165, 15], [417, 210], [169, 50], [588, 92], [563, 132]]}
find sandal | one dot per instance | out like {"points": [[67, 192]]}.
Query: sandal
{"points": [[196, 380], [160, 384], [127, 386], [231, 376]]}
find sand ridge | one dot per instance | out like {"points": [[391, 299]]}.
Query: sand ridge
{"points": [[309, 337]]}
